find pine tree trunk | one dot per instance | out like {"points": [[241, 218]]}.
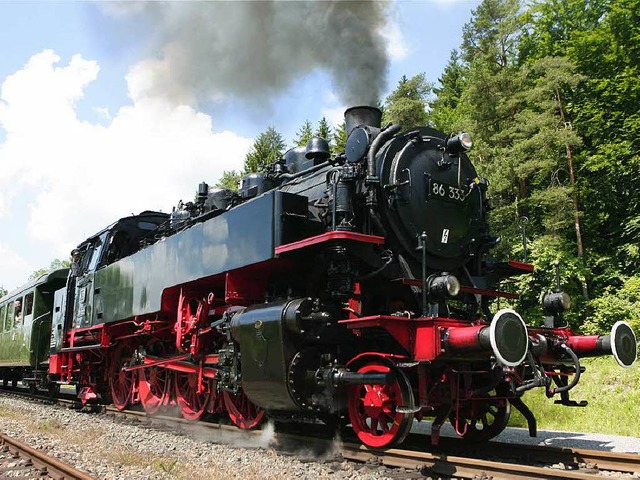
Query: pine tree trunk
{"points": [[574, 195]]}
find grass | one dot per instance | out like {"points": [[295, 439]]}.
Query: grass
{"points": [[164, 467], [52, 425], [7, 412], [613, 394]]}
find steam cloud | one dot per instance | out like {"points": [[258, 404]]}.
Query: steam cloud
{"points": [[256, 49]]}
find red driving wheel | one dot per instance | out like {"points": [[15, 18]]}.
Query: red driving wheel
{"points": [[121, 381], [193, 403], [242, 411], [372, 408], [153, 386], [154, 382]]}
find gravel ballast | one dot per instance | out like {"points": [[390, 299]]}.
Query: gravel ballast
{"points": [[109, 447]]}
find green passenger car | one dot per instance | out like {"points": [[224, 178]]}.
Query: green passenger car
{"points": [[25, 327]]}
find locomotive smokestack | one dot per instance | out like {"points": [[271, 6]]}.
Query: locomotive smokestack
{"points": [[362, 115]]}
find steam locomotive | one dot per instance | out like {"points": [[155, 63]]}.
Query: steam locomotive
{"points": [[356, 287]]}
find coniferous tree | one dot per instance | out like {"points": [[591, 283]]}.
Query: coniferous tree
{"points": [[407, 104], [339, 137], [324, 129], [550, 94], [267, 148], [304, 133], [445, 113], [229, 179]]}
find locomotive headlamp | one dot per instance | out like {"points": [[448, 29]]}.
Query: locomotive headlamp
{"points": [[459, 143], [443, 286], [554, 303]]}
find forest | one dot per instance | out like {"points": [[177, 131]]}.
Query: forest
{"points": [[550, 92]]}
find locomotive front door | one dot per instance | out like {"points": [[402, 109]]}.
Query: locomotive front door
{"points": [[83, 311], [57, 324]]}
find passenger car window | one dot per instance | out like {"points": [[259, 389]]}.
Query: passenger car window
{"points": [[28, 304], [3, 314], [9, 322]]}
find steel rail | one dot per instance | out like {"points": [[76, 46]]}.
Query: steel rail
{"points": [[462, 467], [54, 468], [618, 461]]}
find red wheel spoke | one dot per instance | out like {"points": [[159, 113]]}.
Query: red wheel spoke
{"points": [[485, 418], [242, 412], [192, 402], [121, 381]]}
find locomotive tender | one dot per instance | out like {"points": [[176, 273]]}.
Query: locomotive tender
{"points": [[355, 287]]}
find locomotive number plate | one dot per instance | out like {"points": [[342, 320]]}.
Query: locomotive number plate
{"points": [[444, 191]]}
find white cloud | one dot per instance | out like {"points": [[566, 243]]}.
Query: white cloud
{"points": [[15, 269], [334, 115], [397, 48], [149, 155]]}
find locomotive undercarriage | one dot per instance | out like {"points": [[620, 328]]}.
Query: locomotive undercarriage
{"points": [[360, 354]]}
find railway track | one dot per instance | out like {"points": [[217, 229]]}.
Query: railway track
{"points": [[452, 458], [20, 460], [509, 461], [440, 464]]}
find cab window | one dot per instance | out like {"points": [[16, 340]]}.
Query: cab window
{"points": [[3, 314], [18, 306], [97, 250], [28, 304]]}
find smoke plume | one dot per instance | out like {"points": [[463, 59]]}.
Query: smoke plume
{"points": [[256, 49]]}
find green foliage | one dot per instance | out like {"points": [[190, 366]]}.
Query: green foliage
{"points": [[613, 394], [492, 35], [55, 264], [339, 137], [324, 129], [617, 303], [544, 252], [407, 104], [445, 112], [266, 149], [542, 88], [606, 111], [229, 179], [167, 466], [304, 133], [3, 291]]}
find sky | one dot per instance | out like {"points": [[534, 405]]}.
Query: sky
{"points": [[111, 108]]}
